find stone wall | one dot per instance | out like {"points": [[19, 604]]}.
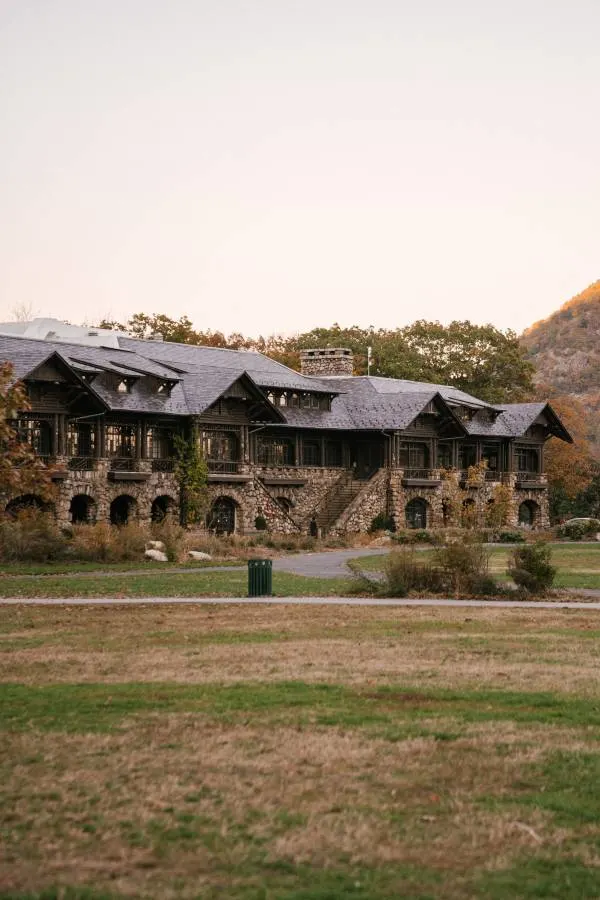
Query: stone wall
{"points": [[304, 488], [305, 499]]}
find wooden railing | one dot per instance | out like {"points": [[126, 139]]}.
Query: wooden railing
{"points": [[226, 466], [82, 463], [122, 464], [163, 465]]}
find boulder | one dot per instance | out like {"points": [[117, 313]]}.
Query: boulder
{"points": [[155, 545], [156, 555], [197, 554]]}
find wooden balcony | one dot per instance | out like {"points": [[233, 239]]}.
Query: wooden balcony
{"points": [[126, 468], [427, 478]]}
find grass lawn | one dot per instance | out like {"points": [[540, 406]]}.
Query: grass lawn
{"points": [[73, 568], [166, 584], [297, 753], [578, 564]]}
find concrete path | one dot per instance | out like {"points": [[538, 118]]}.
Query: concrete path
{"points": [[309, 601], [327, 564]]}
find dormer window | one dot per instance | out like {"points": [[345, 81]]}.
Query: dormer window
{"points": [[124, 386], [164, 388]]}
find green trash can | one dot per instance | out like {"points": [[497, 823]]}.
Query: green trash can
{"points": [[260, 577]]}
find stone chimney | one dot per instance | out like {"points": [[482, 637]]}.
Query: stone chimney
{"points": [[330, 361]]}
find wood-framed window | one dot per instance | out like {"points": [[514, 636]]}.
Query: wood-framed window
{"points": [[120, 441], [527, 459], [311, 453], [413, 455], [275, 451]]}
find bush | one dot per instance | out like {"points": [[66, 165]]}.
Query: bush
{"points": [[92, 543], [31, 535], [405, 572], [260, 523], [531, 568], [578, 529], [172, 535], [510, 537], [129, 542], [382, 522], [464, 564]]}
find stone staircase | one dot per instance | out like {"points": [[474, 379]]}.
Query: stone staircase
{"points": [[336, 500]]}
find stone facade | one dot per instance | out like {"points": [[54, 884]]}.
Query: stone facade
{"points": [[326, 362]]}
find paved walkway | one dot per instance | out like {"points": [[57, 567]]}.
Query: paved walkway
{"points": [[309, 601]]}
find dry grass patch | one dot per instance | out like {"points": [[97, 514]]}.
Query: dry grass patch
{"points": [[181, 794], [543, 649]]}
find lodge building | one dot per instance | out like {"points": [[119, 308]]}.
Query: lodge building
{"points": [[317, 450]]}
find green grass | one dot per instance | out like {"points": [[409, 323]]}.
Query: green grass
{"points": [[166, 584], [100, 707], [80, 567], [364, 781], [578, 566]]}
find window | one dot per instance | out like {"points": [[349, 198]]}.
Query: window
{"points": [[467, 455], [311, 453], [37, 433], [120, 441], [491, 453], [159, 442], [413, 456], [333, 453], [527, 459], [444, 456], [219, 445], [164, 388], [124, 386], [81, 439], [275, 451]]}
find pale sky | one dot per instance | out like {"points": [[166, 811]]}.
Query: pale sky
{"points": [[277, 165]]}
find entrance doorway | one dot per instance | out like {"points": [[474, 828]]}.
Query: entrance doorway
{"points": [[365, 458]]}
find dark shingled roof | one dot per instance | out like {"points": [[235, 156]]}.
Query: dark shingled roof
{"points": [[190, 358], [200, 375]]}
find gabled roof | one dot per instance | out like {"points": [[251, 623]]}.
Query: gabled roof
{"points": [[202, 390], [191, 358], [516, 418]]}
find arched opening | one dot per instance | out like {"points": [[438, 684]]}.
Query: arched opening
{"points": [[528, 514], [222, 516], [285, 503], [163, 507], [122, 509], [82, 510], [468, 513], [27, 503], [416, 513]]}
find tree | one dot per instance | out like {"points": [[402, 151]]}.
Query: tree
{"points": [[21, 471], [570, 467], [191, 473], [479, 359]]}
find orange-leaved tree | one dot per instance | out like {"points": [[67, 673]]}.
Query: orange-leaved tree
{"points": [[21, 471]]}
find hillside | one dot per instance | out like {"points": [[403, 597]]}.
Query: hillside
{"points": [[565, 349]]}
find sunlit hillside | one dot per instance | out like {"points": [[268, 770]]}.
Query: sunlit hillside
{"points": [[565, 349]]}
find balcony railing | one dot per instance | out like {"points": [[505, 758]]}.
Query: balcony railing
{"points": [[82, 463], [530, 476], [493, 475], [226, 466], [163, 465], [420, 473], [122, 464]]}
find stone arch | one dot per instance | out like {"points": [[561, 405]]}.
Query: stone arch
{"points": [[285, 503], [27, 502], [122, 509], [416, 512], [223, 517], [529, 514], [163, 508], [82, 509], [468, 513]]}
